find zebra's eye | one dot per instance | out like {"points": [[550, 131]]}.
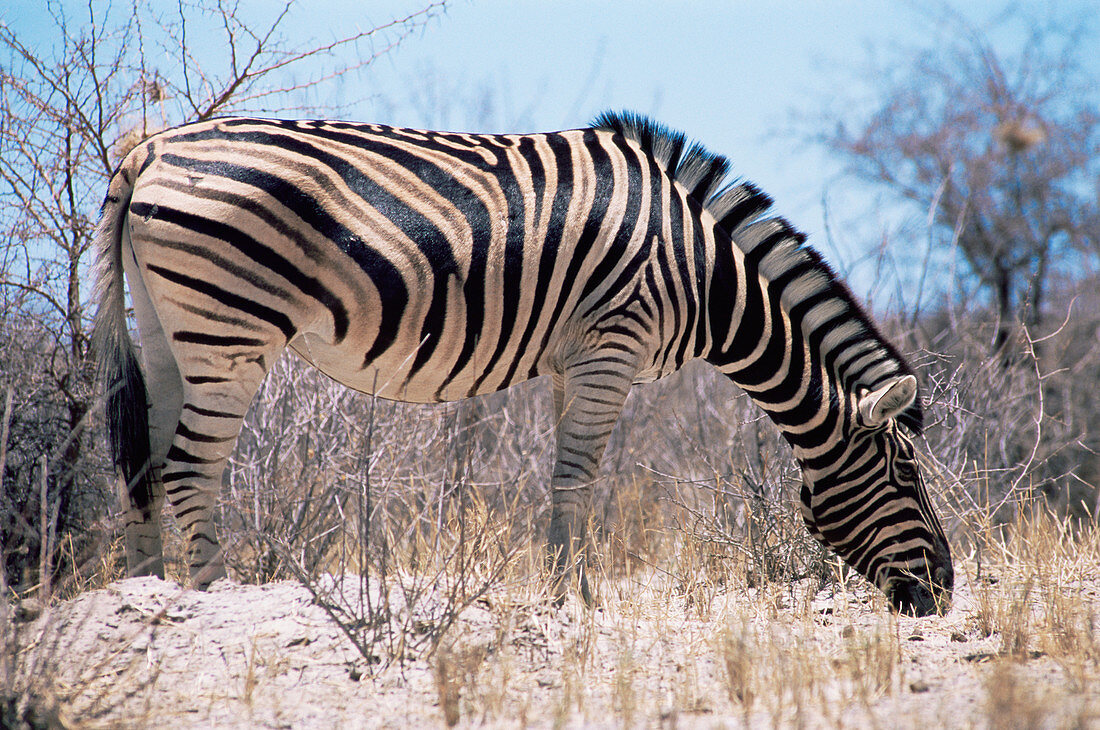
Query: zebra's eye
{"points": [[906, 471]]}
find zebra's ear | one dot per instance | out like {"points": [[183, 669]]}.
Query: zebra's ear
{"points": [[882, 404]]}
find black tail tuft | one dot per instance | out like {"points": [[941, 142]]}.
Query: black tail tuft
{"points": [[128, 426]]}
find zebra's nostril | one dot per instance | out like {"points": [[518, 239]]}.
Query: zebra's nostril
{"points": [[915, 597]]}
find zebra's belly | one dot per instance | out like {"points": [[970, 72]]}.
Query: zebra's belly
{"points": [[396, 375]]}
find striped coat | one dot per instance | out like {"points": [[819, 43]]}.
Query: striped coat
{"points": [[428, 266]]}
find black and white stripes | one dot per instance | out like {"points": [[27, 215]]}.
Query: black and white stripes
{"points": [[431, 266]]}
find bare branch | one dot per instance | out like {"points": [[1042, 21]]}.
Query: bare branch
{"points": [[236, 90], [992, 147]]}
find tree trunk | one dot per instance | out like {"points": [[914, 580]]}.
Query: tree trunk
{"points": [[1005, 318]]}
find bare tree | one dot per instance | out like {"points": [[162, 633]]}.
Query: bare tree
{"points": [[67, 115], [1002, 148]]}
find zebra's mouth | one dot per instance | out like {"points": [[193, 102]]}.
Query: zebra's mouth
{"points": [[916, 597]]}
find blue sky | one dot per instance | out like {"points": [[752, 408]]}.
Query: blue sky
{"points": [[746, 79]]}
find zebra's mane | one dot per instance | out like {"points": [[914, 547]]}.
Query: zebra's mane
{"points": [[739, 208]]}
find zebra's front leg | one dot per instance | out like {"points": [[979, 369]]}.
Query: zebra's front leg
{"points": [[588, 398]]}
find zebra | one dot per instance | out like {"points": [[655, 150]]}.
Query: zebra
{"points": [[427, 266]]}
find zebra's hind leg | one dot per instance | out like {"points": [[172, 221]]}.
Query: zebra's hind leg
{"points": [[142, 500], [195, 428], [144, 549], [210, 421], [588, 397]]}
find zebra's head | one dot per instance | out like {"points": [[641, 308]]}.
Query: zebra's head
{"points": [[870, 506]]}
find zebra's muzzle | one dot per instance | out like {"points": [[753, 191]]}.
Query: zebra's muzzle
{"points": [[920, 597]]}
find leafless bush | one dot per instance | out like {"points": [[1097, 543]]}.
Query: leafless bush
{"points": [[715, 472], [1005, 437], [48, 502], [383, 508], [327, 482]]}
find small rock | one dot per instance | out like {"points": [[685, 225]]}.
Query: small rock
{"points": [[178, 615], [547, 679], [980, 657], [919, 685]]}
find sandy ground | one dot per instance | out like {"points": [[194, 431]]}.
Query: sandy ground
{"points": [[147, 653]]}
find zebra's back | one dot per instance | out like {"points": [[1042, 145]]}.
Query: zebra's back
{"points": [[391, 280]]}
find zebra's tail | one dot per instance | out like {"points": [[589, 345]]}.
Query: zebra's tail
{"points": [[118, 368]]}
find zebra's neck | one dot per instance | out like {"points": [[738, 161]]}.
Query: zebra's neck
{"points": [[789, 333], [780, 323]]}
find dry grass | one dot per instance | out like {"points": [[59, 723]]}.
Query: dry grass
{"points": [[1019, 649]]}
